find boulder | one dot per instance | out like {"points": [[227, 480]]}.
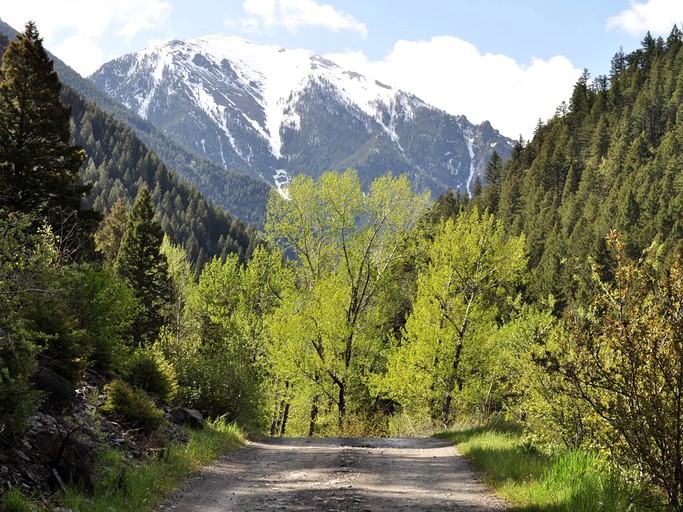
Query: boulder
{"points": [[185, 416]]}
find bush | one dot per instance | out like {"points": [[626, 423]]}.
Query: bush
{"points": [[105, 308], [150, 371], [17, 400], [214, 385], [131, 407]]}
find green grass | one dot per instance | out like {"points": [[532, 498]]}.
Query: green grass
{"points": [[122, 487], [532, 481], [14, 501]]}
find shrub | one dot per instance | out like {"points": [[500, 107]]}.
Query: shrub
{"points": [[105, 308], [213, 384], [150, 371], [17, 400], [131, 407]]}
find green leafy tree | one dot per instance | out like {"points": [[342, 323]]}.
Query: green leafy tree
{"points": [[472, 267], [39, 168], [142, 265], [104, 307], [346, 241], [221, 354]]}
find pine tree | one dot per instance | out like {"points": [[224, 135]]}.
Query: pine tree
{"points": [[493, 176], [39, 168], [108, 238], [141, 263]]}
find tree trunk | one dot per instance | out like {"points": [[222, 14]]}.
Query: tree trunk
{"points": [[450, 382], [342, 400], [285, 416], [314, 415]]}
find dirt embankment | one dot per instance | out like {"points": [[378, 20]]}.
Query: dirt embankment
{"points": [[334, 475]]}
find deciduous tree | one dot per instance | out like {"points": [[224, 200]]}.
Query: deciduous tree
{"points": [[472, 265], [624, 359], [346, 241]]}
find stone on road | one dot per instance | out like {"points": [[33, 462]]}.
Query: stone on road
{"points": [[335, 475]]}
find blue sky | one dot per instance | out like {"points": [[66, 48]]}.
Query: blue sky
{"points": [[509, 62]]}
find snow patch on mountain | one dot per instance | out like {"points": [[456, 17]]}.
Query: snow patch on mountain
{"points": [[469, 140], [282, 179], [272, 75]]}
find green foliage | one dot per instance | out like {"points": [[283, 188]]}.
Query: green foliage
{"points": [[624, 361], [148, 369], [461, 295], [208, 383], [23, 257], [104, 307], [143, 266], [326, 335], [223, 370], [131, 407], [38, 166], [65, 347], [110, 233], [122, 486], [13, 501]]}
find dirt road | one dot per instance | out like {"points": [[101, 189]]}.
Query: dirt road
{"points": [[334, 475]]}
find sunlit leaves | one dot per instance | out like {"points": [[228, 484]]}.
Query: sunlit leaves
{"points": [[471, 268]]}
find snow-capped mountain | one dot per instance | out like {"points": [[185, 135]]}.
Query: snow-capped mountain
{"points": [[272, 112]]}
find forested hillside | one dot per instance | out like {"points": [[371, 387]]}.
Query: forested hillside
{"points": [[609, 159], [597, 194], [117, 165], [242, 196]]}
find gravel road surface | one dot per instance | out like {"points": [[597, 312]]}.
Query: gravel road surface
{"points": [[335, 475]]}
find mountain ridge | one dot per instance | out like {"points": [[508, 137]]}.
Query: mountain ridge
{"points": [[225, 187], [271, 112]]}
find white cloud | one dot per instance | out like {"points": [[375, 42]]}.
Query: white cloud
{"points": [[66, 24], [80, 49], [293, 14], [657, 16], [453, 75]]}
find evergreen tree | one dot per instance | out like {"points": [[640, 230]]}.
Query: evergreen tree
{"points": [[141, 263], [493, 176], [108, 238], [39, 168]]}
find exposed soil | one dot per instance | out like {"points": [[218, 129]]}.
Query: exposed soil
{"points": [[334, 475]]}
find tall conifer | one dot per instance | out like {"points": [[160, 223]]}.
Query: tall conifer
{"points": [[141, 263], [39, 168]]}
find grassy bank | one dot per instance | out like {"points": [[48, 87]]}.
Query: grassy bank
{"points": [[122, 485], [536, 482]]}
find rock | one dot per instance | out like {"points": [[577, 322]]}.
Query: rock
{"points": [[59, 392], [58, 479], [185, 416], [44, 435], [22, 455]]}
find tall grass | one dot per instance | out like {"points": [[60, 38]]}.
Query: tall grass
{"points": [[574, 481], [13, 501], [121, 486]]}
